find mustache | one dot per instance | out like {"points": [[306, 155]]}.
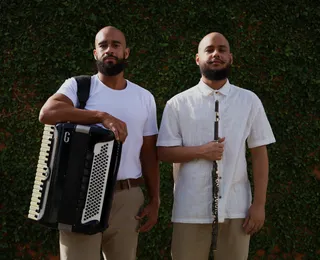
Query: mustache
{"points": [[110, 56], [212, 61]]}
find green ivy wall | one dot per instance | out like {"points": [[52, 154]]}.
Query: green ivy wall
{"points": [[276, 54]]}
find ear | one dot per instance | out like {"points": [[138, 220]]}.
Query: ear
{"points": [[231, 58], [197, 59], [95, 54], [126, 53]]}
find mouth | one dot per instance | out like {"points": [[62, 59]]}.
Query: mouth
{"points": [[215, 62], [109, 59]]}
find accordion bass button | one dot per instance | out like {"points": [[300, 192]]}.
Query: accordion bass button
{"points": [[89, 156], [85, 179], [86, 172]]}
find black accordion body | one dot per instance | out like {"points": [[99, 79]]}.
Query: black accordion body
{"points": [[75, 178]]}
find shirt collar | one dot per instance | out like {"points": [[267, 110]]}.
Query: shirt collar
{"points": [[207, 91]]}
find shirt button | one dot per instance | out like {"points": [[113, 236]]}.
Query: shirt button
{"points": [[220, 177], [220, 197]]}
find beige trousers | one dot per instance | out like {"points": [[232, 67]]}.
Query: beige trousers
{"points": [[192, 241], [118, 242]]}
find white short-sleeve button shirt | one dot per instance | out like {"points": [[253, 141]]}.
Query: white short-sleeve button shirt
{"points": [[188, 120]]}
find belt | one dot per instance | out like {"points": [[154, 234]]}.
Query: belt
{"points": [[128, 183]]}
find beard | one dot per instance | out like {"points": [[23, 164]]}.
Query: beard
{"points": [[215, 75], [109, 68]]}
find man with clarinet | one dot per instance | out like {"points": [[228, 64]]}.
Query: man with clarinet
{"points": [[204, 133]]}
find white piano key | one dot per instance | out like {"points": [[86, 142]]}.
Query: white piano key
{"points": [[36, 192], [44, 154], [33, 212], [35, 199], [35, 204], [47, 138], [37, 187], [39, 182], [42, 167], [51, 127], [33, 216], [33, 208], [45, 142], [46, 148], [40, 178], [43, 158]]}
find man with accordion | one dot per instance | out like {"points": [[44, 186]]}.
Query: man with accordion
{"points": [[204, 132], [129, 111]]}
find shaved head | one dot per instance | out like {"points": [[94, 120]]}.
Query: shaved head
{"points": [[212, 37], [110, 51], [110, 29], [214, 57]]}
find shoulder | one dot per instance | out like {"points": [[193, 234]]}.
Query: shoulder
{"points": [[138, 89], [184, 96], [246, 95]]}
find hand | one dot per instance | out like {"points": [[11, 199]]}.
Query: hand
{"points": [[151, 211], [255, 220], [213, 151], [118, 127]]}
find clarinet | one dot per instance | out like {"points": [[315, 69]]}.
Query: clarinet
{"points": [[215, 183]]}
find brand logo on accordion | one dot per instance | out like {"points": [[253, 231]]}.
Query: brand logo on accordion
{"points": [[66, 137]]}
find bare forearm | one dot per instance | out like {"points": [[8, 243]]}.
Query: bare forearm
{"points": [[260, 168], [179, 154], [57, 111]]}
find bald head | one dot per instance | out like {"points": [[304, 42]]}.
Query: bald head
{"points": [[110, 30], [211, 39]]}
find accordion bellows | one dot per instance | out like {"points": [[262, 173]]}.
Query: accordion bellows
{"points": [[75, 178]]}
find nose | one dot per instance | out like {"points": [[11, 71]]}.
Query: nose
{"points": [[216, 54], [109, 50]]}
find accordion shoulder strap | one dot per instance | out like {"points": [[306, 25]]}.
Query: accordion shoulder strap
{"points": [[83, 83]]}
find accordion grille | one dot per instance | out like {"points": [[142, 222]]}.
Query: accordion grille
{"points": [[97, 183]]}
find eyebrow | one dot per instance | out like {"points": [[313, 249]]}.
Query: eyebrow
{"points": [[219, 46], [104, 42]]}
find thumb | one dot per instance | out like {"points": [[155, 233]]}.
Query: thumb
{"points": [[246, 221], [141, 214], [221, 140]]}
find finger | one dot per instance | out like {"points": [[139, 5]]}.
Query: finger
{"points": [[250, 229], [258, 227], [246, 221], [249, 226], [147, 226], [122, 131], [115, 131], [142, 214]]}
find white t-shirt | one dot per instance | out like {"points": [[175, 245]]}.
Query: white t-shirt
{"points": [[188, 120], [133, 105]]}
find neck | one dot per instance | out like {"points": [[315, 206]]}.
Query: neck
{"points": [[115, 82], [214, 84]]}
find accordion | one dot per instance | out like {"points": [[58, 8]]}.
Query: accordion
{"points": [[75, 178]]}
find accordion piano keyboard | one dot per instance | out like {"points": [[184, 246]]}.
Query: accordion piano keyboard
{"points": [[42, 173]]}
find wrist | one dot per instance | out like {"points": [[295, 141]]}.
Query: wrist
{"points": [[101, 116], [260, 204], [155, 200], [199, 152]]}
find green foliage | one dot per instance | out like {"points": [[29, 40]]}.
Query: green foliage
{"points": [[275, 46]]}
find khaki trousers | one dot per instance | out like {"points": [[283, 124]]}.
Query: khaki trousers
{"points": [[118, 242], [192, 241]]}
